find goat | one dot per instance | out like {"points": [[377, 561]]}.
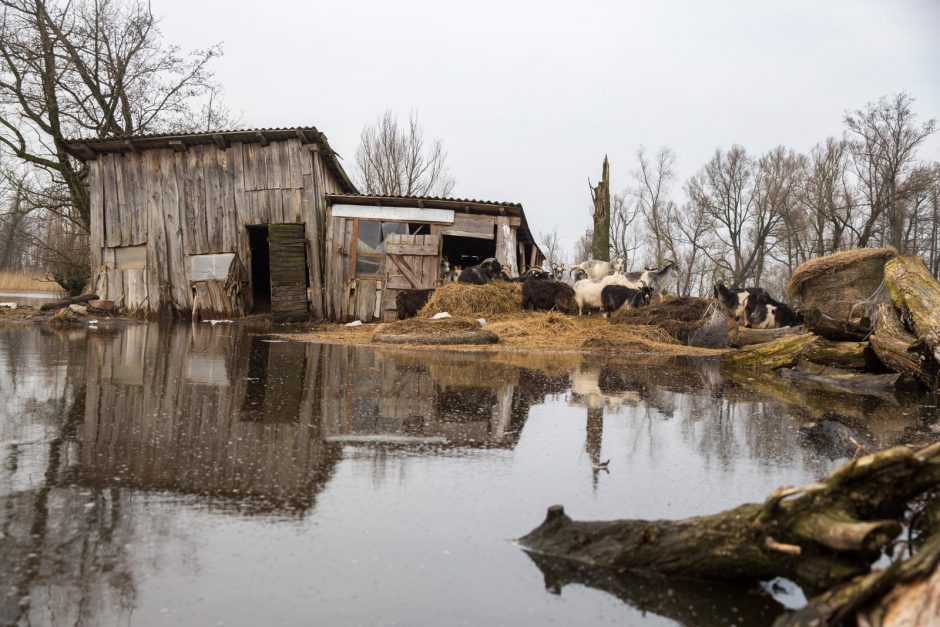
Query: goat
{"points": [[595, 269], [482, 273], [734, 300], [409, 302], [558, 272], [617, 265], [763, 312], [547, 295], [448, 272], [613, 297], [532, 274], [587, 293]]}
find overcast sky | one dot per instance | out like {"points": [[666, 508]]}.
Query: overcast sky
{"points": [[529, 96]]}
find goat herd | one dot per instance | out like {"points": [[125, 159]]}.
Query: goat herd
{"points": [[603, 286]]}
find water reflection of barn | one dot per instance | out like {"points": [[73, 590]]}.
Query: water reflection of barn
{"points": [[219, 411]]}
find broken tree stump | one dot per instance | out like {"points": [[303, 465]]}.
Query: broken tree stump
{"points": [[916, 294], [836, 329], [819, 535]]}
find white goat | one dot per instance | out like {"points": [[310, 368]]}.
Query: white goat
{"points": [[587, 293], [595, 269]]}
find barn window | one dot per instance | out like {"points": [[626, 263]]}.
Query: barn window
{"points": [[370, 244]]}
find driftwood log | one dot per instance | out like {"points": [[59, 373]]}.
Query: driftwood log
{"points": [[851, 355], [898, 350], [65, 302], [916, 294], [780, 353], [841, 380], [837, 329], [742, 336], [819, 535], [459, 337]]}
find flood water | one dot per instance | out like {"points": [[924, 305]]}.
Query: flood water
{"points": [[207, 475]]}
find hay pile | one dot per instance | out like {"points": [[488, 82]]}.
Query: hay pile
{"points": [[422, 331], [462, 299], [837, 284], [679, 318]]}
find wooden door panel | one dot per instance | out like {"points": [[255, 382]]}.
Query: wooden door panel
{"points": [[287, 248], [413, 262]]}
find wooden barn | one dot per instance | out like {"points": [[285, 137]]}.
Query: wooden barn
{"points": [[223, 224]]}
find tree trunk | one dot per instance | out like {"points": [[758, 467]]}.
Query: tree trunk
{"points": [[916, 293], [832, 328], [819, 536], [840, 380], [65, 302], [898, 350], [600, 238]]}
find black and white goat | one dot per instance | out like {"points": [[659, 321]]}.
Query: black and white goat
{"points": [[613, 297], [754, 307]]}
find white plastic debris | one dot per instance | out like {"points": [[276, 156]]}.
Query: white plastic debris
{"points": [[93, 322], [215, 322], [79, 309], [441, 316], [481, 322], [7, 305], [354, 323]]}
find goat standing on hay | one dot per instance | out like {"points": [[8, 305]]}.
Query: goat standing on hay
{"points": [[482, 273], [547, 295], [613, 297]]}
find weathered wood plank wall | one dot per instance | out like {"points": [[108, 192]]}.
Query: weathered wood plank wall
{"points": [[197, 202]]}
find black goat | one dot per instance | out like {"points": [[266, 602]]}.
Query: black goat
{"points": [[482, 273], [547, 294], [409, 302]]}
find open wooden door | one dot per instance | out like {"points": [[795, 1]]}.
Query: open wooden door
{"points": [[287, 250], [412, 262]]}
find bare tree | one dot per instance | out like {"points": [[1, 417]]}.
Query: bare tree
{"points": [[396, 161], [826, 197], [885, 136], [652, 194], [552, 247], [582, 247], [623, 236]]}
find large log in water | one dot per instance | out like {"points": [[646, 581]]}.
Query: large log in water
{"points": [[916, 293], [740, 337], [65, 302], [780, 353], [898, 350], [819, 535], [851, 355], [837, 329]]}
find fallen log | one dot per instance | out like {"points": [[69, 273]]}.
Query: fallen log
{"points": [[898, 350], [840, 380], [916, 293], [904, 594], [65, 302], [819, 535], [740, 336], [780, 353], [850, 355], [836, 329]]}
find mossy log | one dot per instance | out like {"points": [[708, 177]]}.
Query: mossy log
{"points": [[780, 353], [836, 329], [850, 355], [460, 337], [740, 336], [916, 293], [819, 535], [898, 350]]}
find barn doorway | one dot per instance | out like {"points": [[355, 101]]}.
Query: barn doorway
{"points": [[279, 278], [463, 252], [260, 268]]}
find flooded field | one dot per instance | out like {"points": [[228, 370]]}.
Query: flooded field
{"points": [[205, 475]]}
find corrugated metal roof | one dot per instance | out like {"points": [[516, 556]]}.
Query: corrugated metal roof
{"points": [[90, 148], [425, 199]]}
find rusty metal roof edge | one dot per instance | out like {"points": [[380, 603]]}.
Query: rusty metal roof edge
{"points": [[474, 201]]}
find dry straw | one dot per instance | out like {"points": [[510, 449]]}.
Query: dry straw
{"points": [[816, 268], [461, 299], [677, 317]]}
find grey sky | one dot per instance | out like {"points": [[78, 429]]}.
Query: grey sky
{"points": [[528, 97]]}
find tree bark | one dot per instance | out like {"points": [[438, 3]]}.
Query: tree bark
{"points": [[898, 350], [819, 536], [780, 353], [916, 294], [743, 336], [851, 355], [832, 328], [600, 195]]}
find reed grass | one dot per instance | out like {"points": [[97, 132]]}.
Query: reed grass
{"points": [[26, 282]]}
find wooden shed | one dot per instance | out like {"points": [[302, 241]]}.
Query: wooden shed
{"points": [[222, 224], [211, 224], [377, 246]]}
